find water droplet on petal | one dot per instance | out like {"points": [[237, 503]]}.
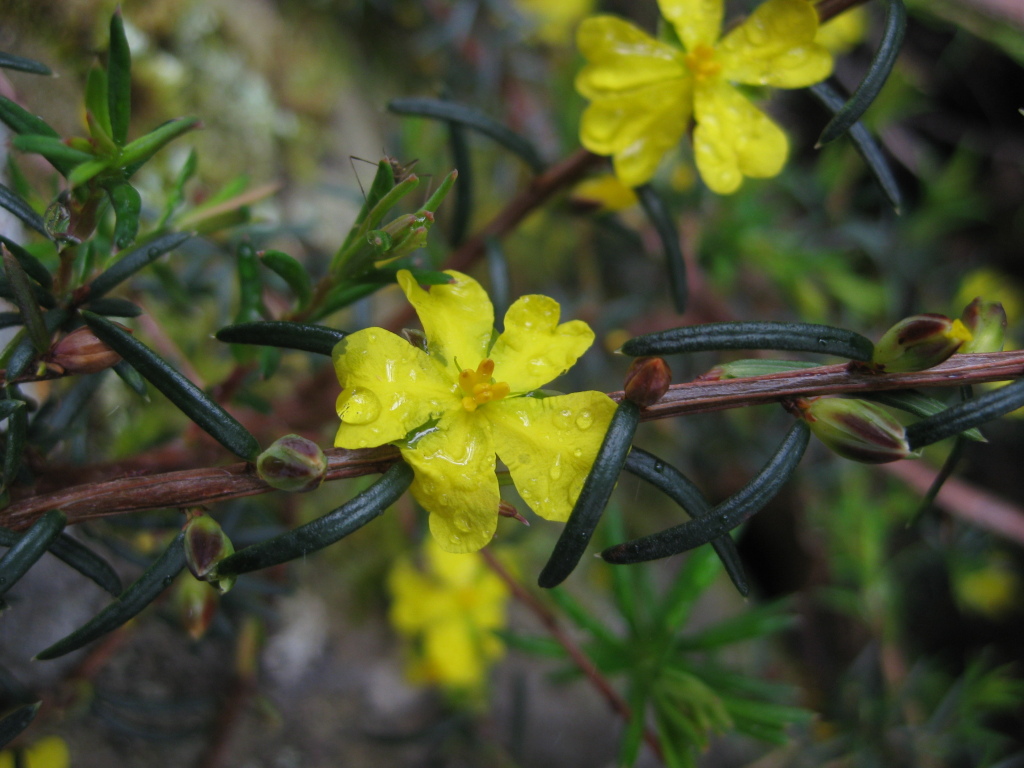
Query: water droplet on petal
{"points": [[555, 472], [463, 523], [455, 538], [360, 407], [562, 419], [577, 452], [585, 420]]}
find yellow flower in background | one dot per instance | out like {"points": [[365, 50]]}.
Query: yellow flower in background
{"points": [[555, 21], [606, 192], [450, 610], [469, 396], [845, 31], [48, 752], [643, 92]]}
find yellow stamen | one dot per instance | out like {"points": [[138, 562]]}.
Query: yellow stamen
{"points": [[479, 387], [701, 62]]}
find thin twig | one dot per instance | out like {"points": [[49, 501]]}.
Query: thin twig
{"points": [[206, 485], [587, 667]]}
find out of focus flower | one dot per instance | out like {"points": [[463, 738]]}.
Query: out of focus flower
{"points": [[48, 752], [449, 610], [554, 22], [604, 192], [644, 91], [842, 33]]}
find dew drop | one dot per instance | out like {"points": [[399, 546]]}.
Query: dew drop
{"points": [[555, 472], [360, 407], [577, 452], [584, 420], [463, 523], [659, 467], [455, 538], [563, 419]]}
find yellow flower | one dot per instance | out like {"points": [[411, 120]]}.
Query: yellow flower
{"points": [[605, 191], [48, 752], [643, 91], [450, 609], [554, 22], [845, 31], [469, 396]]}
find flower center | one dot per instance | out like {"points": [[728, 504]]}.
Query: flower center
{"points": [[479, 387], [701, 61]]}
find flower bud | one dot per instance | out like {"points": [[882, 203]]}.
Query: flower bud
{"points": [[81, 352], [292, 463], [206, 544], [986, 320], [918, 342], [857, 429], [647, 380], [196, 605]]}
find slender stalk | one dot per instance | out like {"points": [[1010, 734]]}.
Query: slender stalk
{"points": [[550, 621], [206, 485]]}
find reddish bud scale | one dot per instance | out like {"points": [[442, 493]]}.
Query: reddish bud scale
{"points": [[292, 463], [205, 545], [647, 380], [81, 352], [856, 429]]}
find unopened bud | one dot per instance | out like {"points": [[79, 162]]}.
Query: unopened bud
{"points": [[81, 352], [857, 429], [196, 605], [986, 320], [918, 342], [206, 544], [292, 463], [647, 380]]}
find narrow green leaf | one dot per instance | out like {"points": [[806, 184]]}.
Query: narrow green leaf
{"points": [[21, 64], [32, 266], [78, 556], [874, 80], [96, 100], [659, 215], [583, 619], [972, 413], [865, 145], [291, 271], [755, 622], [30, 546], [40, 294], [699, 570], [56, 418], [435, 200], [17, 721], [741, 369], [176, 194], [137, 153], [24, 351], [323, 531], [593, 498], [250, 286], [21, 121], [545, 647], [80, 174], [131, 262], [127, 205], [383, 183], [191, 400], [53, 149], [119, 80], [728, 515], [917, 403], [632, 739], [459, 220], [24, 299], [17, 430], [683, 492], [342, 295], [137, 596], [792, 337], [471, 118], [278, 333], [22, 210], [114, 307], [131, 377]]}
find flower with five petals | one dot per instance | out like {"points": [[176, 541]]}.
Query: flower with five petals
{"points": [[643, 91], [469, 396]]}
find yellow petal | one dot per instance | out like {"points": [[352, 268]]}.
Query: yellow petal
{"points": [[775, 46], [453, 654], [534, 349], [457, 318], [638, 128], [622, 57], [697, 22], [389, 387], [455, 481], [733, 138], [415, 603], [843, 32], [549, 445]]}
